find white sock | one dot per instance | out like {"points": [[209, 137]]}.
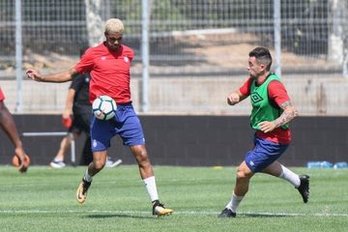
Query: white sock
{"points": [[290, 176], [150, 184], [87, 177], [234, 203]]}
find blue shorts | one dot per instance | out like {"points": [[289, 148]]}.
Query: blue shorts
{"points": [[125, 123], [263, 154]]}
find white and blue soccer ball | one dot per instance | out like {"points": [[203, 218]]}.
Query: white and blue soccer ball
{"points": [[104, 107]]}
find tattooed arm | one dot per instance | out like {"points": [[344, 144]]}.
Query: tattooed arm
{"points": [[288, 114]]}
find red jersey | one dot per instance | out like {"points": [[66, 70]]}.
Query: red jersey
{"points": [[278, 95], [2, 96], [109, 70]]}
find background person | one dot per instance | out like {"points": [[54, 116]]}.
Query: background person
{"points": [[109, 65], [76, 117], [271, 113]]}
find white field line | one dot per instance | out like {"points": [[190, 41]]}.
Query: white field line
{"points": [[38, 211]]}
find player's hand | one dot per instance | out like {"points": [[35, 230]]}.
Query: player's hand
{"points": [[233, 98], [67, 113], [34, 74], [267, 126], [24, 160], [24, 164], [67, 121]]}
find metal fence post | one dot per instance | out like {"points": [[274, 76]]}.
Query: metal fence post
{"points": [[145, 55], [19, 56], [277, 36]]}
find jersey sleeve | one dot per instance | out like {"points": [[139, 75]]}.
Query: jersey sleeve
{"points": [[86, 62], [245, 88], [129, 53], [277, 92]]}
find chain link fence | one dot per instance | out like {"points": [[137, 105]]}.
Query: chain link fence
{"points": [[198, 49]]}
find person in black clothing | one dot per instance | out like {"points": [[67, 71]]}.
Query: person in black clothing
{"points": [[76, 118]]}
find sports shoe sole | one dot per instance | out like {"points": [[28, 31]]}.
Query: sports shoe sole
{"points": [[57, 165]]}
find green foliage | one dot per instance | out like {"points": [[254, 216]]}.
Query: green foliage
{"points": [[44, 200]]}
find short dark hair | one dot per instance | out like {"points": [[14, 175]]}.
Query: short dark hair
{"points": [[262, 56]]}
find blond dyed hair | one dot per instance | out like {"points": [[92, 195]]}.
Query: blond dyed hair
{"points": [[114, 25]]}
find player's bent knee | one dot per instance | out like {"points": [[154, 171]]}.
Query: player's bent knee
{"points": [[98, 164], [243, 174], [141, 156], [143, 161]]}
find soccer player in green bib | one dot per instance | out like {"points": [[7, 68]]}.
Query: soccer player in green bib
{"points": [[271, 113]]}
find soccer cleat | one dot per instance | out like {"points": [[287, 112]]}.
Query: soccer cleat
{"points": [[81, 193], [57, 164], [158, 209], [304, 187], [227, 213]]}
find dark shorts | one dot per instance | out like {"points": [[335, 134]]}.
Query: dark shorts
{"points": [[81, 121], [263, 154], [125, 123]]}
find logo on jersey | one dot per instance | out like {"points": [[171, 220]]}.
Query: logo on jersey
{"points": [[126, 59], [103, 58], [94, 143], [255, 97]]}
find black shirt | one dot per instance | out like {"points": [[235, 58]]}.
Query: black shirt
{"points": [[80, 84]]}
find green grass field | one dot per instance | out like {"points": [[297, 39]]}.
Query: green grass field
{"points": [[44, 200]]}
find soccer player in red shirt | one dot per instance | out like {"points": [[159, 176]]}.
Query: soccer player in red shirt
{"points": [[109, 66], [8, 124], [271, 112]]}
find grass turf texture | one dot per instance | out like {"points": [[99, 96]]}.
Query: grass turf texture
{"points": [[44, 200]]}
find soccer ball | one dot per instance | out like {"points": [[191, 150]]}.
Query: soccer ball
{"points": [[104, 107]]}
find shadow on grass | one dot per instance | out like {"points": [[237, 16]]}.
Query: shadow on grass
{"points": [[119, 216], [265, 215]]}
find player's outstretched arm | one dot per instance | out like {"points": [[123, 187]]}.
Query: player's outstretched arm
{"points": [[56, 77]]}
